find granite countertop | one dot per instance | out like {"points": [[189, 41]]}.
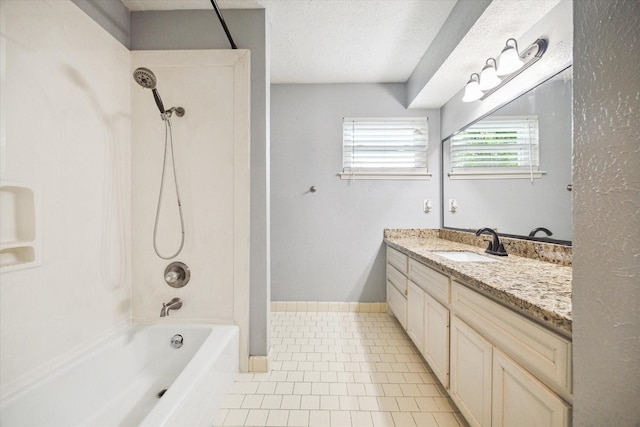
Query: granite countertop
{"points": [[539, 289]]}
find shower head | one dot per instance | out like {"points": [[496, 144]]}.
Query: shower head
{"points": [[145, 78]]}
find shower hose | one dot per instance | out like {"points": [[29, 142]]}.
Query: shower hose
{"points": [[168, 143]]}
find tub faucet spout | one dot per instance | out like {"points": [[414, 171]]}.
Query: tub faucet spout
{"points": [[174, 304]]}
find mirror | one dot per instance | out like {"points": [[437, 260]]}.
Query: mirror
{"points": [[516, 206]]}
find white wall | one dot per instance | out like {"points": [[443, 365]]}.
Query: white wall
{"points": [[211, 146], [606, 244], [65, 124], [327, 245]]}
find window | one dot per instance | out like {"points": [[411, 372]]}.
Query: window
{"points": [[497, 147], [385, 148]]}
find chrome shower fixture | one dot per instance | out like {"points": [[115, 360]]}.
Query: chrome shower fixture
{"points": [[145, 78]]}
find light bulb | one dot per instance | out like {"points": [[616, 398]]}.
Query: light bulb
{"points": [[472, 90], [488, 77]]}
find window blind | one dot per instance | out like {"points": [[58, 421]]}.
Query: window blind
{"points": [[499, 143], [384, 145]]}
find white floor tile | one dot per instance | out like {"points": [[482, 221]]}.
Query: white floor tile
{"points": [[290, 402], [298, 418], [272, 402], [382, 419], [445, 419], [424, 419], [252, 401], [368, 403], [361, 419], [319, 418], [329, 403], [404, 419], [310, 402], [256, 417], [339, 369], [236, 417], [277, 418], [340, 419]]}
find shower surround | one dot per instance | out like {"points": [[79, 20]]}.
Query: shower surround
{"points": [[74, 123], [211, 144]]}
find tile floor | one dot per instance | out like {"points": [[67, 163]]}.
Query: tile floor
{"points": [[340, 370]]}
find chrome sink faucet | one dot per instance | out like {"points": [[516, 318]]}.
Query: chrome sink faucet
{"points": [[174, 304], [495, 247]]}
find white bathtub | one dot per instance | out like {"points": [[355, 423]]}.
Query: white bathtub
{"points": [[117, 383]]}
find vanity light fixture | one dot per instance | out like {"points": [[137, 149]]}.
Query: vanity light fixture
{"points": [[510, 64]]}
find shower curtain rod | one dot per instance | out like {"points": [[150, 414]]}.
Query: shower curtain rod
{"points": [[224, 24]]}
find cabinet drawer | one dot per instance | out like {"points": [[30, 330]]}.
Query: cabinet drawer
{"points": [[542, 352], [397, 259], [397, 279], [397, 304], [435, 283]]}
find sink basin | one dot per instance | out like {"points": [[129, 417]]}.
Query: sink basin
{"points": [[465, 257]]}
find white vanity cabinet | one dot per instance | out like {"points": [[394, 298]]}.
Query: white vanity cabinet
{"points": [[489, 386], [500, 368]]}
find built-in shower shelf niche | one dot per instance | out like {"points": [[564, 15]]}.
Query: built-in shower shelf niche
{"points": [[19, 234]]}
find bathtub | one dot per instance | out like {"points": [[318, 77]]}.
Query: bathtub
{"points": [[117, 382]]}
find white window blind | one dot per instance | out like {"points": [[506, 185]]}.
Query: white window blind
{"points": [[497, 145], [384, 147]]}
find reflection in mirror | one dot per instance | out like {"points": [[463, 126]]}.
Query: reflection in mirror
{"points": [[520, 203]]}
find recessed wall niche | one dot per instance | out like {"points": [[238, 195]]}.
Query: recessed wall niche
{"points": [[19, 234]]}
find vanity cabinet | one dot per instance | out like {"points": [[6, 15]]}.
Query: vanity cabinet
{"points": [[500, 368], [489, 386]]}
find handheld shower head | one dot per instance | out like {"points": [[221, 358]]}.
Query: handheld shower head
{"points": [[145, 78]]}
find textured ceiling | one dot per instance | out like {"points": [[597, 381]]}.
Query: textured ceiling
{"points": [[338, 41], [362, 41]]}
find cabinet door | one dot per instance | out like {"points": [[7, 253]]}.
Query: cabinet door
{"points": [[520, 400], [436, 342], [397, 304], [471, 373], [415, 315]]}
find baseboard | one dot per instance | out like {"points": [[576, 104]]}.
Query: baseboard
{"points": [[258, 363], [329, 307]]}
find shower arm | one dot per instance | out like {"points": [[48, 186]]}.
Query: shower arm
{"points": [[224, 24]]}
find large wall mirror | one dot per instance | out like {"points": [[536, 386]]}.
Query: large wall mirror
{"points": [[517, 206]]}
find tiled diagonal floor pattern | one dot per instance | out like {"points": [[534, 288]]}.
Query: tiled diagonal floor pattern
{"points": [[340, 370]]}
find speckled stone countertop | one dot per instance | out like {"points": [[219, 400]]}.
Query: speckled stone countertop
{"points": [[539, 289]]}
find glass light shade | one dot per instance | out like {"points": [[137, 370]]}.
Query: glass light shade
{"points": [[509, 61], [472, 90], [488, 77]]}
